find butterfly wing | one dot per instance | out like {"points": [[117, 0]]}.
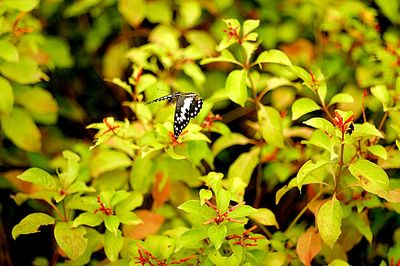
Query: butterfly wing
{"points": [[188, 106], [168, 97]]}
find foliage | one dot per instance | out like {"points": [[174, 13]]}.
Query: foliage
{"points": [[318, 116]]}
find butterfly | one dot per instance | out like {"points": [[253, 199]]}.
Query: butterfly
{"points": [[188, 105]]}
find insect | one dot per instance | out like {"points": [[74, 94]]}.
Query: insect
{"points": [[188, 105]]}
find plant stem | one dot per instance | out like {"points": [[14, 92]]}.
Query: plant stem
{"points": [[56, 210], [305, 208], [340, 161], [374, 140]]}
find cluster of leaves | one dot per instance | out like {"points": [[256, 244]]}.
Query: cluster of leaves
{"points": [[25, 54], [192, 214]]}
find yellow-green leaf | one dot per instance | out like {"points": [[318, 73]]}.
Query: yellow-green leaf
{"points": [[341, 98], [274, 56], [372, 178], [6, 96], [303, 106], [25, 71], [244, 165], [39, 177], [329, 221], [21, 5], [271, 125], [265, 216], [72, 241], [8, 51], [133, 11], [229, 140], [250, 25], [216, 234], [31, 223], [107, 160], [382, 94], [112, 245], [236, 86], [19, 127], [306, 169], [378, 150]]}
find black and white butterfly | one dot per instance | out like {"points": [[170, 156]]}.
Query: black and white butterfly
{"points": [[188, 105]]}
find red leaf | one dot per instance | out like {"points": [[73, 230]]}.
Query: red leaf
{"points": [[151, 224], [161, 190], [308, 245]]}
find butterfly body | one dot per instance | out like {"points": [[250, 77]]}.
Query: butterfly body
{"points": [[188, 106]]}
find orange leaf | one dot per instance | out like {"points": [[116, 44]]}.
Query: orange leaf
{"points": [[308, 245], [161, 190], [151, 224]]}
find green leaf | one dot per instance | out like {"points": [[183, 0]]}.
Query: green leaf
{"points": [[378, 150], [72, 241], [195, 72], [341, 98], [107, 160], [306, 169], [38, 102], [19, 127], [25, 71], [194, 207], [372, 178], [225, 56], [112, 245], [190, 206], [71, 172], [236, 86], [329, 221], [365, 130], [87, 218], [21, 5], [112, 223], [216, 234], [190, 12], [31, 223], [134, 200], [8, 51], [362, 224], [250, 25], [6, 96], [244, 165], [170, 151], [190, 239], [39, 177], [228, 40], [382, 94], [128, 217], [274, 56], [118, 197], [139, 174], [80, 7], [390, 9], [303, 106], [303, 74], [321, 123], [58, 51], [338, 262], [133, 11], [229, 140], [265, 216], [271, 125], [242, 211], [223, 199], [159, 12], [205, 194], [320, 139]]}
